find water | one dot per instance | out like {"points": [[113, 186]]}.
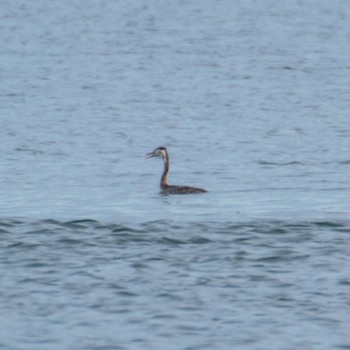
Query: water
{"points": [[251, 100]]}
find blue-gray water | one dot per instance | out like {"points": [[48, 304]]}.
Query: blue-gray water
{"points": [[252, 100]]}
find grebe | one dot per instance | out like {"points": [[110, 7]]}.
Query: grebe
{"points": [[170, 189]]}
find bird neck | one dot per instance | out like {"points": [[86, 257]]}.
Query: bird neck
{"points": [[164, 178]]}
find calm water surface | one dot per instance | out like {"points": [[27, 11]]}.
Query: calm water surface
{"points": [[252, 101]]}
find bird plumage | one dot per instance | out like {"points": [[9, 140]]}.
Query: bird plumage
{"points": [[165, 187]]}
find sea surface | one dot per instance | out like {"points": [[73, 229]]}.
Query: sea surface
{"points": [[252, 100]]}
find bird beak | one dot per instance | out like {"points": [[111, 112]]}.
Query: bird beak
{"points": [[149, 155]]}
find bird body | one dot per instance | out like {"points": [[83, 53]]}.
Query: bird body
{"points": [[164, 186]]}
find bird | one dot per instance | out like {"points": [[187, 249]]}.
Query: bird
{"points": [[170, 189]]}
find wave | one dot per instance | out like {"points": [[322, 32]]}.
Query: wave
{"points": [[165, 231]]}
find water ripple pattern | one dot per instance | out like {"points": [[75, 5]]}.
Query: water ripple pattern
{"points": [[90, 285], [251, 99]]}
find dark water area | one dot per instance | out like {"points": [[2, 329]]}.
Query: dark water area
{"points": [[251, 100], [205, 285]]}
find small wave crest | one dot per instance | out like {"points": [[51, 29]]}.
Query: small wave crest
{"points": [[162, 231]]}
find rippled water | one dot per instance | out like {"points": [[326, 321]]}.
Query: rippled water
{"points": [[251, 99], [85, 284]]}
